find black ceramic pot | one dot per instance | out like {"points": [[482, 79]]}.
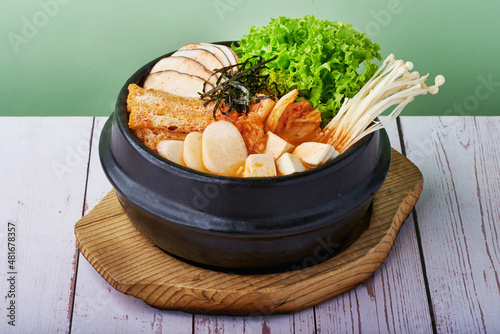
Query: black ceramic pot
{"points": [[236, 223]]}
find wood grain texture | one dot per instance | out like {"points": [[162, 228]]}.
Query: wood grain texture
{"points": [[44, 167], [393, 300], [134, 266], [459, 217], [100, 309]]}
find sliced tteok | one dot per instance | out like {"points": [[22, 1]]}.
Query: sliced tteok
{"points": [[192, 152], [177, 83], [313, 153], [223, 148], [171, 150]]}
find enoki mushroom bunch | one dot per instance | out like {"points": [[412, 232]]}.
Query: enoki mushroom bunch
{"points": [[393, 84]]}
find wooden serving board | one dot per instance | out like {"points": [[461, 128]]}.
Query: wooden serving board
{"points": [[134, 266]]}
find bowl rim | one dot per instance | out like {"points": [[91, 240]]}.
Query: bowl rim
{"points": [[121, 117]]}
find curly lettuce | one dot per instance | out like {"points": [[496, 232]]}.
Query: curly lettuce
{"points": [[318, 57]]}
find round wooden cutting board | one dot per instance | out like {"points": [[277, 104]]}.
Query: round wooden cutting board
{"points": [[134, 266]]}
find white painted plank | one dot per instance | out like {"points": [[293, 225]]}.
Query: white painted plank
{"points": [[300, 322], [42, 182], [257, 324], [393, 300], [304, 322], [458, 217], [98, 307], [98, 185]]}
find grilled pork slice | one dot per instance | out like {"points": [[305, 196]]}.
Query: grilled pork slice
{"points": [[184, 65], [206, 58], [177, 83], [229, 52], [156, 109], [221, 55]]}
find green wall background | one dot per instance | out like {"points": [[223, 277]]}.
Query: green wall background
{"points": [[71, 57]]}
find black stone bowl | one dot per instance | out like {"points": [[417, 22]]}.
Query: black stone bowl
{"points": [[229, 223]]}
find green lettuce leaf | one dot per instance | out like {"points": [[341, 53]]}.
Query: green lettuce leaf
{"points": [[320, 58]]}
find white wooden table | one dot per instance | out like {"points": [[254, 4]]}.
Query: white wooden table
{"points": [[443, 275]]}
